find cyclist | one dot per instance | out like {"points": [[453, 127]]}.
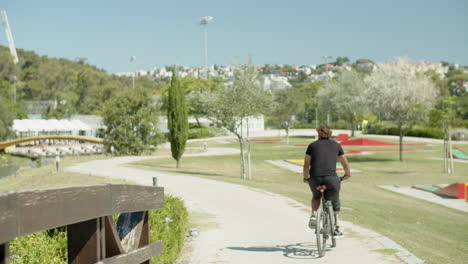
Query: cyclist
{"points": [[320, 169]]}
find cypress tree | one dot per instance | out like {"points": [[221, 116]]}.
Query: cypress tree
{"points": [[177, 118]]}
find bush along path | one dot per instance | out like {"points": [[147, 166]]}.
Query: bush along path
{"points": [[249, 225]]}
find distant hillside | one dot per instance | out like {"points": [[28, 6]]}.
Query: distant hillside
{"points": [[78, 86]]}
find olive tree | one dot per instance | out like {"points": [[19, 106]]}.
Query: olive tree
{"points": [[344, 96], [229, 105], [401, 94], [286, 105]]}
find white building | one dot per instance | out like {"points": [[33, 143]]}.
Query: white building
{"points": [[253, 124], [274, 82]]}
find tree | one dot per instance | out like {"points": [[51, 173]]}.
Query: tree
{"points": [[401, 94], [286, 105], [341, 60], [131, 122], [6, 119], [194, 89], [177, 118], [232, 103], [457, 83], [344, 96]]}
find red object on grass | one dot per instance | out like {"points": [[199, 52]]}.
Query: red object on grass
{"points": [[374, 150], [455, 190], [342, 137], [266, 140], [366, 142]]}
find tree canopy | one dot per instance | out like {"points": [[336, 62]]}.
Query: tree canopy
{"points": [[401, 93], [131, 122], [344, 96]]}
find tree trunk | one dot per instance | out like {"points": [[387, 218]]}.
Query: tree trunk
{"points": [[445, 148], [287, 135], [450, 151], [198, 122], [400, 128], [249, 164], [178, 164], [352, 126], [242, 166]]}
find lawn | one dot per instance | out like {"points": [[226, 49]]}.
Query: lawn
{"points": [[47, 177], [434, 233]]}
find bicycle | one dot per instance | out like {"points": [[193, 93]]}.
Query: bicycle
{"points": [[325, 223]]}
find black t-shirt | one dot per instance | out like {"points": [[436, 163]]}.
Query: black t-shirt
{"points": [[323, 154]]}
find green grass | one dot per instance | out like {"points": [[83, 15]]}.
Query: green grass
{"points": [[47, 177], [434, 233]]}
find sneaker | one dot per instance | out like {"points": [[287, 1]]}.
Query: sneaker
{"points": [[337, 233], [312, 222]]}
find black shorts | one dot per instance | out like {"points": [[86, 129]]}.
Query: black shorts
{"points": [[333, 184]]}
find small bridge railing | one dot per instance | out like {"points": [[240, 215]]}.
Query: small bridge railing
{"points": [[87, 212]]}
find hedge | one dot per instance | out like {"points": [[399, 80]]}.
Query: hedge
{"points": [[419, 131], [205, 132], [51, 246]]}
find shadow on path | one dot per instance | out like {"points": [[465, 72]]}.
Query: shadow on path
{"points": [[297, 251]]}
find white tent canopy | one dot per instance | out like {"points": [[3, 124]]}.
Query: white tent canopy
{"points": [[33, 127]]}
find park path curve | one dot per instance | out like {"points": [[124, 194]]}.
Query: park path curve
{"points": [[247, 225]]}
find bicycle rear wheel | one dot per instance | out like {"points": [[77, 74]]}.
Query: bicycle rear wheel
{"points": [[320, 233]]}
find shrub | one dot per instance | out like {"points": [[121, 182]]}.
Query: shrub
{"points": [[39, 248], [428, 132], [51, 246], [418, 131], [205, 132], [173, 233], [340, 124]]}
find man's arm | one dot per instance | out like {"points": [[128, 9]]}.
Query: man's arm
{"points": [[345, 164], [306, 169]]}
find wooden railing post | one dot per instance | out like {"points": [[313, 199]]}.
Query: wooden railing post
{"points": [[5, 253], [86, 241]]}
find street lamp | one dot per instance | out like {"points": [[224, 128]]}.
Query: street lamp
{"points": [[133, 58], [327, 58], [204, 21]]}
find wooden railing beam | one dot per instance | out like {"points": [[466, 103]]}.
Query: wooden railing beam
{"points": [[140, 255], [113, 244], [27, 212]]}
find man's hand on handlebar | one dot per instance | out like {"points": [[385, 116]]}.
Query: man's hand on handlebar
{"points": [[306, 180], [345, 177]]}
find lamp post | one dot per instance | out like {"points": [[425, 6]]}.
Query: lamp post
{"points": [[327, 58], [133, 58], [204, 21]]}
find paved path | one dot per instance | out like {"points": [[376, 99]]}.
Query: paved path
{"points": [[249, 225]]}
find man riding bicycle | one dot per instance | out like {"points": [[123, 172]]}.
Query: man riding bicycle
{"points": [[320, 169]]}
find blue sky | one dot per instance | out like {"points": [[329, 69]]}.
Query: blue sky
{"points": [[108, 32]]}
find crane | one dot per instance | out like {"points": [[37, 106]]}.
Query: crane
{"points": [[11, 44]]}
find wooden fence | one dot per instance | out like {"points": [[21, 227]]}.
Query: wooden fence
{"points": [[87, 212]]}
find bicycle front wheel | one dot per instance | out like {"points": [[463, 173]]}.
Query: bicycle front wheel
{"points": [[320, 233]]}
